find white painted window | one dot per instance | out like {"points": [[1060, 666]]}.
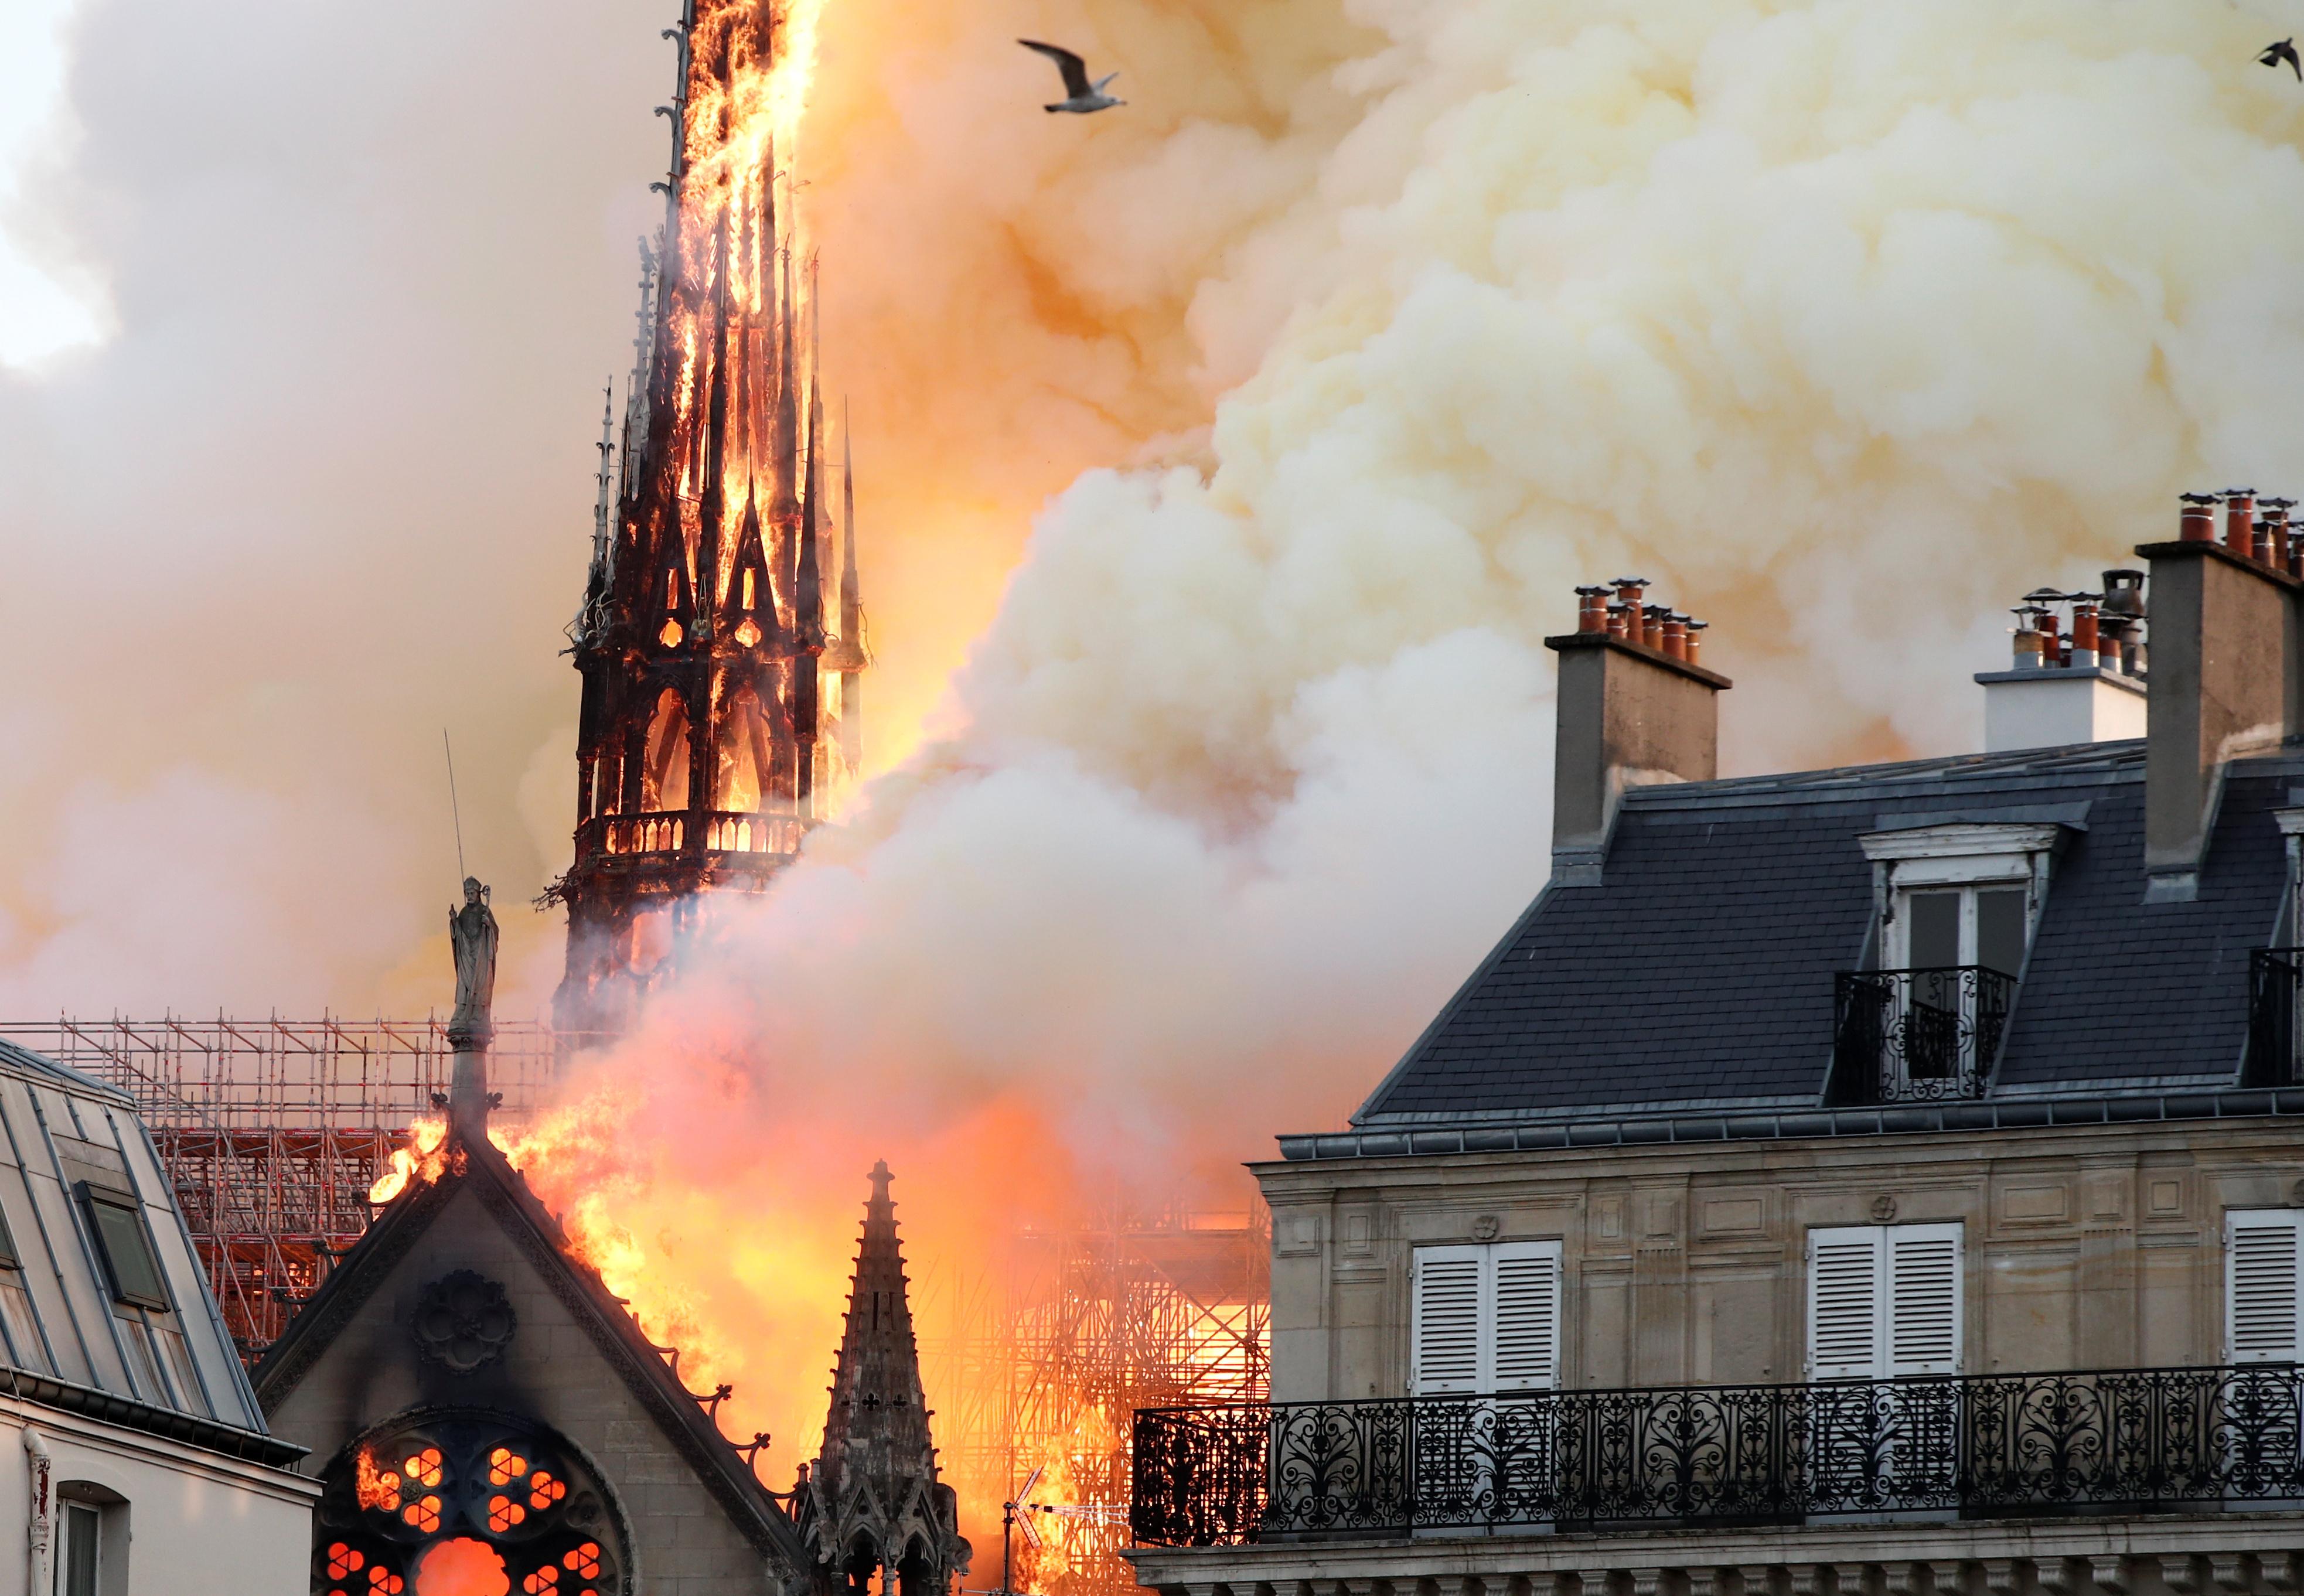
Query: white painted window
{"points": [[1955, 895], [2264, 1287], [80, 1545], [1485, 1319], [1884, 1301]]}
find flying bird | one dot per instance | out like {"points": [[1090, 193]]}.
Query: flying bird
{"points": [[2285, 50], [1080, 94]]}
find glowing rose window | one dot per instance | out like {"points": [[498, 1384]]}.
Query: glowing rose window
{"points": [[465, 1504]]}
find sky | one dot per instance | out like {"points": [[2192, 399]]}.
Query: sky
{"points": [[39, 314], [1222, 463]]}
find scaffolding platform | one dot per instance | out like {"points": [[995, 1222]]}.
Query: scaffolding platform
{"points": [[273, 1130], [1124, 1308]]}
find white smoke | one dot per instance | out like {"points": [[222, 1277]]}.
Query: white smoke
{"points": [[1849, 322]]}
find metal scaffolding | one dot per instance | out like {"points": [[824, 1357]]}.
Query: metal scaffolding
{"points": [[273, 1130], [1123, 1310]]}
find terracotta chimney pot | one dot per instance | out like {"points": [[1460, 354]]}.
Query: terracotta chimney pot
{"points": [[2084, 629], [2028, 637], [1676, 635], [1591, 615], [2239, 520], [2197, 522]]}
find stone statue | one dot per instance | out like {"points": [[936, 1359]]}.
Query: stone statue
{"points": [[472, 935]]}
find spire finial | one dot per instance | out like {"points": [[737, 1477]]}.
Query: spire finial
{"points": [[608, 447]]}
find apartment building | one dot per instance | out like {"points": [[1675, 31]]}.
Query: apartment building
{"points": [[1858, 1182]]}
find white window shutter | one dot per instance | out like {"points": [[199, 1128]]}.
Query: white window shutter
{"points": [[1444, 1331], [1846, 1282], [1528, 1316], [1923, 1299], [2261, 1284]]}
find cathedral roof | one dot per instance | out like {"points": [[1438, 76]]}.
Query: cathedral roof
{"points": [[481, 1169]]}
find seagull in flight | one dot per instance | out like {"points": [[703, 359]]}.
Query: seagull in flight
{"points": [[1081, 95], [2285, 50]]}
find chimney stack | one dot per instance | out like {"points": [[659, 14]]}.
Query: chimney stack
{"points": [[2069, 685], [2227, 677], [1634, 709]]}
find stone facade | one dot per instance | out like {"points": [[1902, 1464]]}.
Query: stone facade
{"points": [[2213, 1555], [2086, 1246], [383, 1355]]}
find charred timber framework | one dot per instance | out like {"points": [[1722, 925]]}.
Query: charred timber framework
{"points": [[719, 643], [1989, 1445], [272, 1131]]}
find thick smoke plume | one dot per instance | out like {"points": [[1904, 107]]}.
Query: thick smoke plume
{"points": [[1848, 324], [1388, 322]]}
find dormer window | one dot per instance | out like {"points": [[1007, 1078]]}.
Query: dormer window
{"points": [[1956, 894], [1957, 901]]}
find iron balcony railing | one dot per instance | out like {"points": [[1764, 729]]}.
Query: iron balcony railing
{"points": [[2137, 1440], [2276, 991], [1917, 1035]]}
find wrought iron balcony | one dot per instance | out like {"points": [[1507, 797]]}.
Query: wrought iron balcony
{"points": [[2276, 991], [1981, 1445], [1917, 1035]]}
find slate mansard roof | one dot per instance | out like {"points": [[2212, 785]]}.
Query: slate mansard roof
{"points": [[69, 1339], [1699, 974]]}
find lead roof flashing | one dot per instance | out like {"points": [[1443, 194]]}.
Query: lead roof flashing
{"points": [[1738, 1123], [26, 1062], [2072, 817], [207, 1434]]}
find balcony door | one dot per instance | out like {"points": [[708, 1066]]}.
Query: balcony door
{"points": [[2256, 1417], [1884, 1304], [1958, 902], [1483, 1342], [1943, 927]]}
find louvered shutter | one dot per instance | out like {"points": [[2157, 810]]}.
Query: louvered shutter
{"points": [[1444, 1331], [2261, 1285], [1527, 1339], [1844, 1289], [1923, 1299]]}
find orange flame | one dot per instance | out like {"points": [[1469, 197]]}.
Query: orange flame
{"points": [[421, 1161], [374, 1486]]}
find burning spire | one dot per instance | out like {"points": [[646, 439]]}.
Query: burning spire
{"points": [[698, 761], [846, 657]]}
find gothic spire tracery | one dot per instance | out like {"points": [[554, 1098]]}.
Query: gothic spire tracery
{"points": [[703, 618], [874, 1500]]}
